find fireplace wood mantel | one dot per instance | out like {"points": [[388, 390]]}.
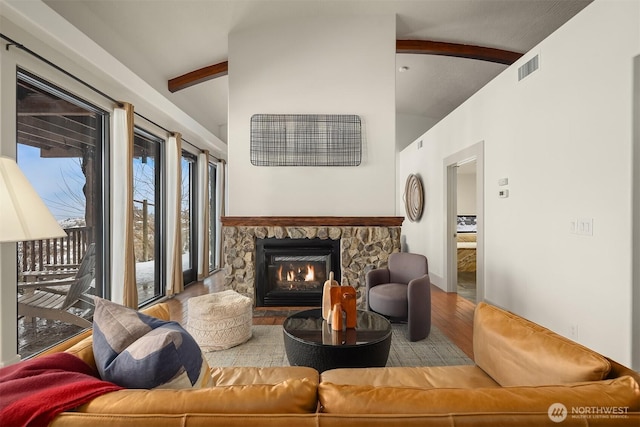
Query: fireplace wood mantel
{"points": [[313, 221]]}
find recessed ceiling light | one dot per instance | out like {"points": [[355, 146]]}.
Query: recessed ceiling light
{"points": [[403, 69]]}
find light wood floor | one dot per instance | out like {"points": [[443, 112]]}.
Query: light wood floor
{"points": [[450, 313]]}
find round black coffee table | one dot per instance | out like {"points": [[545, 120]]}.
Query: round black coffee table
{"points": [[309, 341]]}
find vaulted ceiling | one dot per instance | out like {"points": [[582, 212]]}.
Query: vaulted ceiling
{"points": [[163, 39]]}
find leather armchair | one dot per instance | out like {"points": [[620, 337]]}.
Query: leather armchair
{"points": [[402, 291]]}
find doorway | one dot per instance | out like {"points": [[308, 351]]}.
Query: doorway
{"points": [[464, 213], [466, 232]]}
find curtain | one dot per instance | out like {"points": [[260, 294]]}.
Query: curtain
{"points": [[123, 270], [221, 171], [175, 283]]}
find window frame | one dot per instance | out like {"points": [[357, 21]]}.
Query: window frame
{"points": [[103, 217]]}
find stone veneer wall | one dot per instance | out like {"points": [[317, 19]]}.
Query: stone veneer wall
{"points": [[362, 248]]}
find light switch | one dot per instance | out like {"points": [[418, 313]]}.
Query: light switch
{"points": [[503, 181], [503, 193], [585, 226], [573, 226]]}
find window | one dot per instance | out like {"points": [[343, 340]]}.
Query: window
{"points": [[61, 141], [148, 215], [187, 211]]}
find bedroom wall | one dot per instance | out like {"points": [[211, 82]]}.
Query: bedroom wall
{"points": [[563, 137], [317, 65]]}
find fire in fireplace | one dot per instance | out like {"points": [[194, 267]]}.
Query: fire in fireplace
{"points": [[292, 272], [299, 272]]}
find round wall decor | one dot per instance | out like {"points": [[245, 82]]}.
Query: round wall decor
{"points": [[413, 197]]}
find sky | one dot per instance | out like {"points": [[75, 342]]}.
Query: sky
{"points": [[58, 181]]}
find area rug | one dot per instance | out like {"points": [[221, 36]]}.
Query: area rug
{"points": [[266, 348]]}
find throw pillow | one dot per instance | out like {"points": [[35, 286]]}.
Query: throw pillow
{"points": [[134, 350]]}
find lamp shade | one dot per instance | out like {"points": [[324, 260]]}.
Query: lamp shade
{"points": [[23, 214]]}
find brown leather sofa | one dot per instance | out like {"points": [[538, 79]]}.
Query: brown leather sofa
{"points": [[525, 375]]}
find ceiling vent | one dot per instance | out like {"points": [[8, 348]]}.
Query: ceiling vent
{"points": [[529, 67]]}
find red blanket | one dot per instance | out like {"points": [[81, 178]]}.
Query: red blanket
{"points": [[34, 391]]}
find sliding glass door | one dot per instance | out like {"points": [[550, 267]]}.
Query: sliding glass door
{"points": [[187, 218], [148, 215]]}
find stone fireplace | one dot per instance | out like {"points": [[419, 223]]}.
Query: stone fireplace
{"points": [[364, 243]]}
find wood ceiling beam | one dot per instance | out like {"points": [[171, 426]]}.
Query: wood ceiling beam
{"points": [[425, 47], [428, 47], [198, 76]]}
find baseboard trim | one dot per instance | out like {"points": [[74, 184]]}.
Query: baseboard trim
{"points": [[438, 281]]}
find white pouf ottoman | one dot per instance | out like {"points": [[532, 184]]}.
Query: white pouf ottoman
{"points": [[220, 320]]}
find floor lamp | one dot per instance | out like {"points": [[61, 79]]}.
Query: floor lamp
{"points": [[23, 216]]}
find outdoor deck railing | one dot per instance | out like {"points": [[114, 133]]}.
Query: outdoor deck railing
{"points": [[38, 255]]}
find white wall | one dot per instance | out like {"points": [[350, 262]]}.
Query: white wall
{"points": [[563, 137], [317, 65], [635, 331]]}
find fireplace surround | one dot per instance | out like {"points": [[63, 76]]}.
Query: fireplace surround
{"points": [[365, 243]]}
